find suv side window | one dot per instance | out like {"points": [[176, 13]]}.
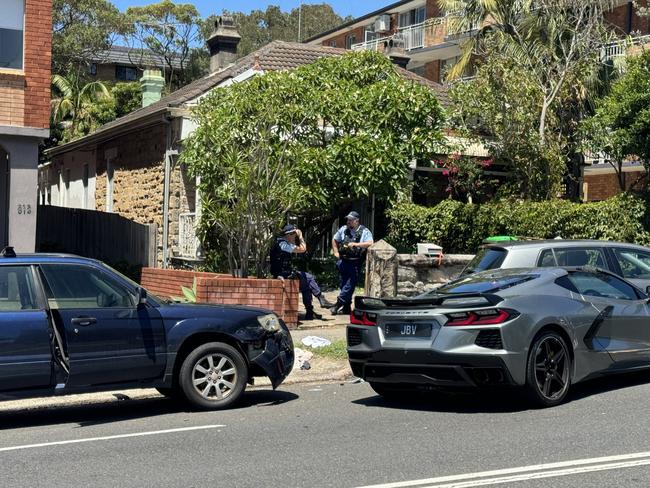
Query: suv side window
{"points": [[74, 286], [16, 289], [634, 264], [583, 256], [546, 259], [600, 285]]}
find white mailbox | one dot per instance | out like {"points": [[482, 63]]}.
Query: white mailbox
{"points": [[431, 250]]}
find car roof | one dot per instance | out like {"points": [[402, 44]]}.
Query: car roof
{"points": [[561, 243], [36, 258]]}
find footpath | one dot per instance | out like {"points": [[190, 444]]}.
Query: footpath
{"points": [[321, 370]]}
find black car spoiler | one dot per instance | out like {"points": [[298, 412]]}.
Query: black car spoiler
{"points": [[451, 300]]}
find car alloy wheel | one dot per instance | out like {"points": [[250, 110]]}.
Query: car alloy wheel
{"points": [[549, 369], [213, 376]]}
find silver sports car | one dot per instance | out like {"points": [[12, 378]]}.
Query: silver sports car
{"points": [[541, 328]]}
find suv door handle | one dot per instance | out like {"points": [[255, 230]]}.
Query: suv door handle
{"points": [[84, 321]]}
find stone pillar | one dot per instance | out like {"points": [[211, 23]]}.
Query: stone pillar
{"points": [[381, 270], [152, 83]]}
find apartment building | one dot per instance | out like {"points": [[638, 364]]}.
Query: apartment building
{"points": [[25, 70], [430, 43]]}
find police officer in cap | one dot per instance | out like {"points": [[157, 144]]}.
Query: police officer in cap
{"points": [[289, 243], [350, 245]]}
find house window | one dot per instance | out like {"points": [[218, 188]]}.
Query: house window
{"points": [[11, 34], [92, 69], [85, 183], [413, 17], [126, 73], [332, 43], [350, 41]]}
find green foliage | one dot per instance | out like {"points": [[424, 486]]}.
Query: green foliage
{"points": [[189, 294], [81, 29], [467, 178], [169, 30], [337, 350], [621, 126], [326, 133], [461, 228], [74, 105]]}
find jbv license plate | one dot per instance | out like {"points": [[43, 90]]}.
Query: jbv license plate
{"points": [[407, 330]]}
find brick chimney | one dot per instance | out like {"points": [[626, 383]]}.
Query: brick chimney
{"points": [[223, 43], [152, 83]]}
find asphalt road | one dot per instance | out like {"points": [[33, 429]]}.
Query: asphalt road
{"points": [[337, 436]]}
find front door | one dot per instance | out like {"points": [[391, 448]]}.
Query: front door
{"points": [[25, 351], [623, 326], [110, 338]]}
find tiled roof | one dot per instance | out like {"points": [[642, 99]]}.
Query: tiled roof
{"points": [[276, 56], [132, 57]]}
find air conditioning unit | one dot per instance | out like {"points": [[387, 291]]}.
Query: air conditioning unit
{"points": [[431, 250], [382, 23]]}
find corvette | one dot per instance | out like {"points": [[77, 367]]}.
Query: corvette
{"points": [[542, 329]]}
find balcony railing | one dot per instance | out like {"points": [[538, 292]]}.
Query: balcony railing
{"points": [[188, 243], [619, 49], [410, 37]]}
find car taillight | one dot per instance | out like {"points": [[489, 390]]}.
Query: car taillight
{"points": [[358, 317], [481, 317]]}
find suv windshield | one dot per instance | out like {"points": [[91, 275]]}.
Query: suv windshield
{"points": [[483, 284], [486, 258]]}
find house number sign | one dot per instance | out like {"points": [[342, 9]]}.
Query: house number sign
{"points": [[24, 209]]}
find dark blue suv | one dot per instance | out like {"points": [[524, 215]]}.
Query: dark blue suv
{"points": [[71, 325]]}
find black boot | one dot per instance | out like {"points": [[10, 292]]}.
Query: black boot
{"points": [[310, 315], [323, 301], [346, 310], [337, 307]]}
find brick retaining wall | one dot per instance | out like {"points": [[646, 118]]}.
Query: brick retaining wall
{"points": [[277, 295]]}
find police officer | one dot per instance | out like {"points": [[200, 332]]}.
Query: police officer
{"points": [[350, 245], [289, 243]]}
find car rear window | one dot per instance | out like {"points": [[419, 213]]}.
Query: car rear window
{"points": [[486, 258], [484, 284]]}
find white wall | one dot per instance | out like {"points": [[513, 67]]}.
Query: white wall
{"points": [[71, 196], [23, 190]]}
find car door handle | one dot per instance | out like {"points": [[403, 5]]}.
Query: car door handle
{"points": [[84, 321]]}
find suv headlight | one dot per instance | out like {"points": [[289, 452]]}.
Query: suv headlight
{"points": [[269, 322]]}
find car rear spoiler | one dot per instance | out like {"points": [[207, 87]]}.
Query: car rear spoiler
{"points": [[455, 300]]}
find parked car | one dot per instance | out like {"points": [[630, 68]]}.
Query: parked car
{"points": [[72, 325], [543, 329], [630, 261]]}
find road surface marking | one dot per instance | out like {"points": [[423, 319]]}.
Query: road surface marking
{"points": [[539, 471], [109, 437]]}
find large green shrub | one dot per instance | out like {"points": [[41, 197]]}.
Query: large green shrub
{"points": [[459, 227]]}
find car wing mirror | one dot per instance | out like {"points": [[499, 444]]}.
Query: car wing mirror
{"points": [[142, 296]]}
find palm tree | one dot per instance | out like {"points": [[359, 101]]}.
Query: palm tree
{"points": [[73, 103], [556, 41]]}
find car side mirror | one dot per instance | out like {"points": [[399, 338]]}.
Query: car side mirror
{"points": [[647, 290], [142, 296]]}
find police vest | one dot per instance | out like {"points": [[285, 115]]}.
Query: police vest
{"points": [[280, 260], [352, 253]]}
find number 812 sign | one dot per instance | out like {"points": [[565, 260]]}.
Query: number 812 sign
{"points": [[24, 209]]}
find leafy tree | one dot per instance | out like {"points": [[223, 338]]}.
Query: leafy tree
{"points": [[81, 29], [556, 42], [312, 138], [500, 108], [259, 27], [169, 30], [73, 104], [621, 125]]}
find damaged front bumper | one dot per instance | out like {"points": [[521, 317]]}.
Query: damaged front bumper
{"points": [[274, 358]]}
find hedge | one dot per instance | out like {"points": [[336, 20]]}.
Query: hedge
{"points": [[461, 227]]}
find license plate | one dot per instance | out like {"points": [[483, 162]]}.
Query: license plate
{"points": [[407, 330]]}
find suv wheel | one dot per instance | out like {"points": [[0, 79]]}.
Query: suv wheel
{"points": [[213, 376], [548, 374]]}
